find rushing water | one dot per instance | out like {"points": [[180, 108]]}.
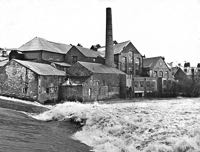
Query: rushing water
{"points": [[167, 125], [20, 133]]}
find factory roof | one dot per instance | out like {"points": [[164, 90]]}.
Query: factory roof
{"points": [[41, 68], [118, 48], [151, 62], [3, 58], [88, 52], [100, 68], [2, 63], [38, 44]]}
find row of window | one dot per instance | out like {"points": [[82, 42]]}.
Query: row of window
{"points": [[192, 70], [161, 74], [141, 84]]}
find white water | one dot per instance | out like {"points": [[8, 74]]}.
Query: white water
{"points": [[150, 126]]}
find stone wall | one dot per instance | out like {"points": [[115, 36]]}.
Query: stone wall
{"points": [[79, 70], [97, 87], [18, 81], [48, 88]]}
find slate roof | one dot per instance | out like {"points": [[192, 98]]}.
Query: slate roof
{"points": [[62, 64], [88, 52], [38, 43], [4, 62], [118, 48], [174, 70], [3, 58], [41, 68], [150, 62], [99, 68]]}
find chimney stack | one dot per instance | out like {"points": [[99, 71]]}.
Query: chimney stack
{"points": [[109, 53]]}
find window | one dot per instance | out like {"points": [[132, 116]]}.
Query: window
{"points": [[141, 83], [185, 70], [47, 90], [148, 83], [160, 74], [155, 74], [164, 82], [74, 59], [192, 70], [124, 64], [167, 74], [136, 84], [24, 90], [89, 91], [152, 84]]}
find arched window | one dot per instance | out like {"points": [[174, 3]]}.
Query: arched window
{"points": [[160, 73]]}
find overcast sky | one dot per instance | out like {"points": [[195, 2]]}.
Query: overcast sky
{"points": [[169, 28]]}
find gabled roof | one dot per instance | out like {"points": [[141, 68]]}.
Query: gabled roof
{"points": [[88, 52], [151, 62], [38, 43], [41, 68], [174, 70], [99, 68], [118, 48]]}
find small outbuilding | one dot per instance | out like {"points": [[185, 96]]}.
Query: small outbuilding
{"points": [[93, 81], [30, 80]]}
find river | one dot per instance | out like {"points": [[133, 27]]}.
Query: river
{"points": [[167, 125], [21, 133]]}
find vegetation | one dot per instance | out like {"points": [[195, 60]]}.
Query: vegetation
{"points": [[188, 88]]}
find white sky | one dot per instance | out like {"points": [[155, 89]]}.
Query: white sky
{"points": [[169, 28]]}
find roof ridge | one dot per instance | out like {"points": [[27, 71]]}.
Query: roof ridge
{"points": [[117, 43]]}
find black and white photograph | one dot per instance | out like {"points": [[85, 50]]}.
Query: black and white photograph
{"points": [[99, 75]]}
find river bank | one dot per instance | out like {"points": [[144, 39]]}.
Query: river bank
{"points": [[21, 133]]}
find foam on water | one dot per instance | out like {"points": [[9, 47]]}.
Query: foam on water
{"points": [[161, 125]]}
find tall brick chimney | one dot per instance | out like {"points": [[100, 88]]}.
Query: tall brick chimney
{"points": [[109, 53]]}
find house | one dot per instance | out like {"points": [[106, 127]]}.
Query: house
{"points": [[93, 81], [191, 71], [156, 67], [41, 50], [178, 73], [30, 80], [79, 53]]}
